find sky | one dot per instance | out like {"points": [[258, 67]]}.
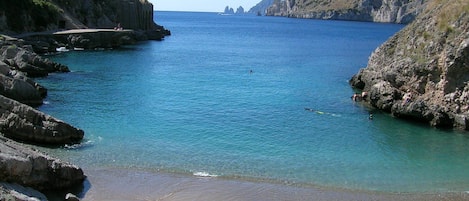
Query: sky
{"points": [[202, 5]]}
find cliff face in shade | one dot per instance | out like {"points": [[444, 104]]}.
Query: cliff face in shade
{"points": [[44, 15], [392, 11], [428, 60]]}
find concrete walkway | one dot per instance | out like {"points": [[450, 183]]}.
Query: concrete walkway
{"points": [[80, 31]]}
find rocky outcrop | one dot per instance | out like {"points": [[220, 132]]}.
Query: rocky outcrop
{"points": [[95, 38], [422, 72], [22, 122], [261, 7], [49, 15], [17, 62], [25, 60], [393, 11], [31, 168]]}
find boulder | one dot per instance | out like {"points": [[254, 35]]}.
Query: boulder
{"points": [[383, 95], [23, 59], [22, 122], [21, 89], [31, 168]]}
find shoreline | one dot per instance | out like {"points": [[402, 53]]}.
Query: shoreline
{"points": [[121, 184]]}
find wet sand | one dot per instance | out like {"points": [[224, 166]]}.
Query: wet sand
{"points": [[114, 184]]}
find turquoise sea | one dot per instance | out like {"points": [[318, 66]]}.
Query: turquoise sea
{"points": [[225, 96]]}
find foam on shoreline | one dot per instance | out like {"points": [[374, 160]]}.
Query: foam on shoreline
{"points": [[117, 184]]}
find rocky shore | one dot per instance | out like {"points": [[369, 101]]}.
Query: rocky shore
{"points": [[40, 27], [19, 164], [422, 72]]}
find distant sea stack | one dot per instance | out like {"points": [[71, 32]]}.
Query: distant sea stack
{"points": [[390, 11], [422, 72], [230, 11]]}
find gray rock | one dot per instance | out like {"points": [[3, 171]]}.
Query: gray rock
{"points": [[429, 59], [17, 192], [22, 122], [98, 39], [28, 167], [20, 89], [394, 11], [29, 62]]}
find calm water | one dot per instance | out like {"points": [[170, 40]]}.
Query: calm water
{"points": [[191, 105]]}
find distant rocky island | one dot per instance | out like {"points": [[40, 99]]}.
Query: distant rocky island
{"points": [[29, 28], [230, 11]]}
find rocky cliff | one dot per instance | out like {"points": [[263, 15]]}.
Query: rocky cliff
{"points": [[45, 15], [29, 167], [393, 11], [261, 7], [422, 72]]}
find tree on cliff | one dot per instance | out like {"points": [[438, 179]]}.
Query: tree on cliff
{"points": [[28, 15]]}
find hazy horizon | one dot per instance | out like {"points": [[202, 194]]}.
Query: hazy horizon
{"points": [[202, 5]]}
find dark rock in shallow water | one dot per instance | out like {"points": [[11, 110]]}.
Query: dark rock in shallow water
{"points": [[22, 122], [28, 167]]}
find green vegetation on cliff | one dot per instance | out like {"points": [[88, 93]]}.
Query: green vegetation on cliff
{"points": [[29, 15], [428, 59], [394, 11], [319, 5], [18, 16]]}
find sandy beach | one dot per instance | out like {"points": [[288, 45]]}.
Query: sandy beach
{"points": [[114, 184]]}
